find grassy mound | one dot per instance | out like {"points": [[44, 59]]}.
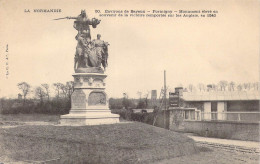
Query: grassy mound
{"points": [[117, 143]]}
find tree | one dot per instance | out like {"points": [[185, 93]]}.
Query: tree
{"points": [[223, 84], [69, 88], [256, 86], [191, 87], [231, 86], [125, 101], [249, 86], [25, 87], [139, 94], [146, 98], [210, 87], [64, 91], [239, 87], [70, 85], [57, 87], [125, 95], [47, 90], [214, 87], [246, 86], [201, 87], [39, 93]]}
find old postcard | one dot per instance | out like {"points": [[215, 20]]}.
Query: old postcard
{"points": [[129, 81]]}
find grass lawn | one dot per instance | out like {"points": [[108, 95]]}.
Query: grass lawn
{"points": [[117, 143]]}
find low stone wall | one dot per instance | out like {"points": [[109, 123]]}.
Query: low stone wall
{"points": [[222, 129]]}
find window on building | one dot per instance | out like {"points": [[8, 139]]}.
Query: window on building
{"points": [[214, 106]]}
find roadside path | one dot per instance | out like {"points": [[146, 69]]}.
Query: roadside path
{"points": [[222, 151], [247, 144]]}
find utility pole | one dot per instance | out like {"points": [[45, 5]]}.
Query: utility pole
{"points": [[165, 99]]}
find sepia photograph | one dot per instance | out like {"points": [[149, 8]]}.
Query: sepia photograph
{"points": [[126, 82]]}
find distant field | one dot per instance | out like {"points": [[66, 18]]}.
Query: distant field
{"points": [[117, 143]]}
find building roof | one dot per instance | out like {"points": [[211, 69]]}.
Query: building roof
{"points": [[221, 96]]}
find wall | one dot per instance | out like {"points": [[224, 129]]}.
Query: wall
{"points": [[176, 119], [228, 130], [233, 106], [218, 129]]}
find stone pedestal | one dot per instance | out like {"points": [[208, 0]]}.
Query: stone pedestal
{"points": [[89, 102]]}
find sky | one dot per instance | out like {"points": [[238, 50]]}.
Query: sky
{"points": [[191, 50]]}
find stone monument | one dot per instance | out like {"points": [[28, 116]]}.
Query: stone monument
{"points": [[89, 101]]}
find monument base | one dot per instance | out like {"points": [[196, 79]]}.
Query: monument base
{"points": [[88, 119], [89, 102]]}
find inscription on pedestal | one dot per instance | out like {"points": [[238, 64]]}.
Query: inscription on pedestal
{"points": [[97, 98], [78, 99]]}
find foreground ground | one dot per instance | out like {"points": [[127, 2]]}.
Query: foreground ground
{"points": [[23, 142], [117, 143]]}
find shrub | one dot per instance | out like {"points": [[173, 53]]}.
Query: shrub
{"points": [[56, 106]]}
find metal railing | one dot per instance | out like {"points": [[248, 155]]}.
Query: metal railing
{"points": [[231, 116]]}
